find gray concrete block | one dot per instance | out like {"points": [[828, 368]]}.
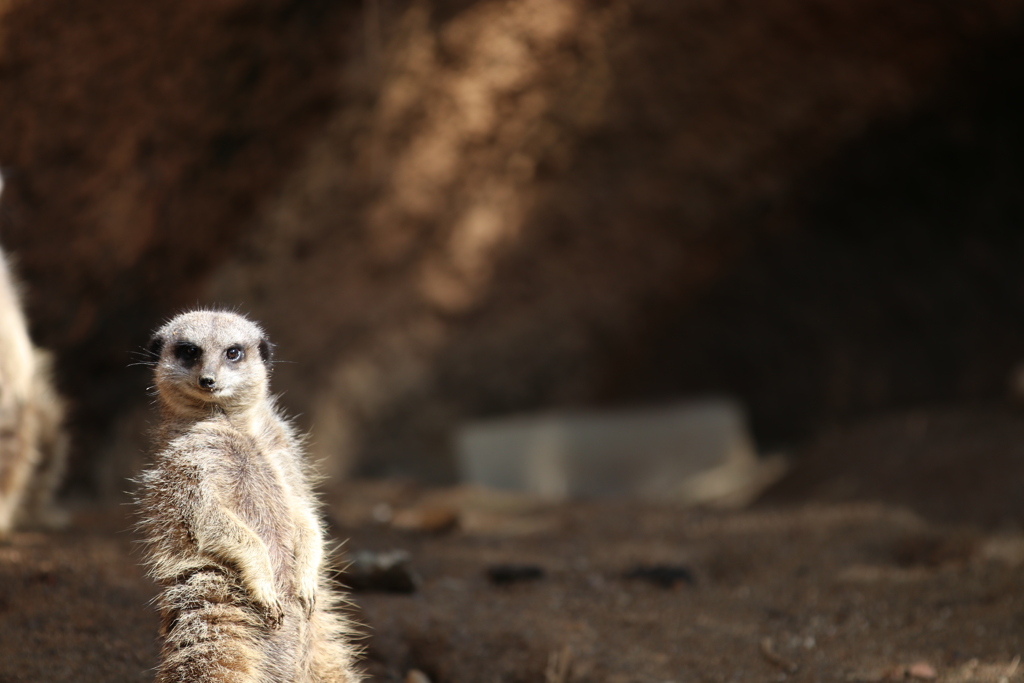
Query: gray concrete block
{"points": [[691, 452]]}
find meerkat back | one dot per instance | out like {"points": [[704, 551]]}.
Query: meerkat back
{"points": [[230, 523], [32, 443]]}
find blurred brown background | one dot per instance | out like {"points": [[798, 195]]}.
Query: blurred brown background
{"points": [[455, 209]]}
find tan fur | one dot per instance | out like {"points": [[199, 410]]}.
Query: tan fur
{"points": [[230, 521], [32, 443], [37, 509]]}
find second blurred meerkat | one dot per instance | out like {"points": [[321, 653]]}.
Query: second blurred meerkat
{"points": [[229, 519], [32, 443]]}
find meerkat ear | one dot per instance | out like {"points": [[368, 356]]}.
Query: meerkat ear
{"points": [[266, 351], [156, 347]]}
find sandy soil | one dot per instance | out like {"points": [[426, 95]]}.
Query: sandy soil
{"points": [[818, 583]]}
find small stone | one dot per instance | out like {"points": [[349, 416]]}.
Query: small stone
{"points": [[504, 574], [922, 671], [416, 676], [663, 575], [382, 513], [428, 518], [387, 572]]}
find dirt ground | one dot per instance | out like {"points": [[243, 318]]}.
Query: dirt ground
{"points": [[903, 562], [445, 210]]}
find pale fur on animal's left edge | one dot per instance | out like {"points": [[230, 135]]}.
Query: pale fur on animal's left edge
{"points": [[229, 520], [33, 445]]}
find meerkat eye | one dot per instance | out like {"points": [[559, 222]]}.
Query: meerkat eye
{"points": [[187, 353], [234, 353]]}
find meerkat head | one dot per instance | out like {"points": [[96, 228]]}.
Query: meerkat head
{"points": [[211, 358]]}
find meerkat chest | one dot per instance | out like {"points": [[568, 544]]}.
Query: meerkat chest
{"points": [[266, 503]]}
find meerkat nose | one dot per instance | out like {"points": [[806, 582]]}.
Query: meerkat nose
{"points": [[207, 382]]}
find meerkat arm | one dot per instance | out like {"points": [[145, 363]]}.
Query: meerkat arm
{"points": [[223, 536], [308, 557], [219, 533]]}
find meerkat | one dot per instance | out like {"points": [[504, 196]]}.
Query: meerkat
{"points": [[33, 447], [229, 519]]}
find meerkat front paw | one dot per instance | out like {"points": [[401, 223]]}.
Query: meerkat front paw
{"points": [[306, 593], [269, 605], [308, 603], [273, 614]]}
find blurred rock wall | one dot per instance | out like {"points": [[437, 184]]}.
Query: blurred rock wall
{"points": [[451, 209]]}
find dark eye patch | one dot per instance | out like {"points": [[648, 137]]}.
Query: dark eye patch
{"points": [[187, 353], [266, 351], [234, 353], [155, 348]]}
